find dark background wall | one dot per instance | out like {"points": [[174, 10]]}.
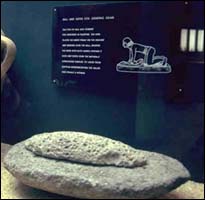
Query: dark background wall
{"points": [[153, 116], [45, 107]]}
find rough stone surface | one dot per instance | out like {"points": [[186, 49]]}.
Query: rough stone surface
{"points": [[189, 190], [85, 148], [160, 175]]}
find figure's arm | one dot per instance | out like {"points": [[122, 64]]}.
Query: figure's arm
{"points": [[141, 49], [147, 54], [130, 55]]}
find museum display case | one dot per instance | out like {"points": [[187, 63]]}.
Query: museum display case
{"points": [[102, 99]]}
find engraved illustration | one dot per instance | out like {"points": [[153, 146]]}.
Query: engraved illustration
{"points": [[142, 59]]}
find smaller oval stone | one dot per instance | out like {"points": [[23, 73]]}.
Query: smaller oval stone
{"points": [[85, 148]]}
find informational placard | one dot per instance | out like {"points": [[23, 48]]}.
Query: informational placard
{"points": [[100, 44]]}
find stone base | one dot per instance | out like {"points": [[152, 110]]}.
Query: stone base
{"points": [[11, 188], [161, 175], [142, 68]]}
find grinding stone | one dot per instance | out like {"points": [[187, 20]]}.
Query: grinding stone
{"points": [[85, 148], [158, 176]]}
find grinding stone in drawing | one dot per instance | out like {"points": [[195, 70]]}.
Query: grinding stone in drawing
{"points": [[85, 148]]}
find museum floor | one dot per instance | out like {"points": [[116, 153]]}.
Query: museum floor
{"points": [[12, 189]]}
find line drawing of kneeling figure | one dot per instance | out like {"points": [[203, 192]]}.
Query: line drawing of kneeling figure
{"points": [[150, 63]]}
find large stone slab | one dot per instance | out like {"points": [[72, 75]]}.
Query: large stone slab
{"points": [[158, 176]]}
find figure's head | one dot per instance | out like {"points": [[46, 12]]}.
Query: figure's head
{"points": [[127, 42]]}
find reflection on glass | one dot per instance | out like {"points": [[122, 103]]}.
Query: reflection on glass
{"points": [[183, 41], [200, 42], [192, 40]]}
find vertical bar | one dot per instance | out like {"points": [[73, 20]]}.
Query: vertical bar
{"points": [[192, 40], [200, 41], [183, 39]]}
